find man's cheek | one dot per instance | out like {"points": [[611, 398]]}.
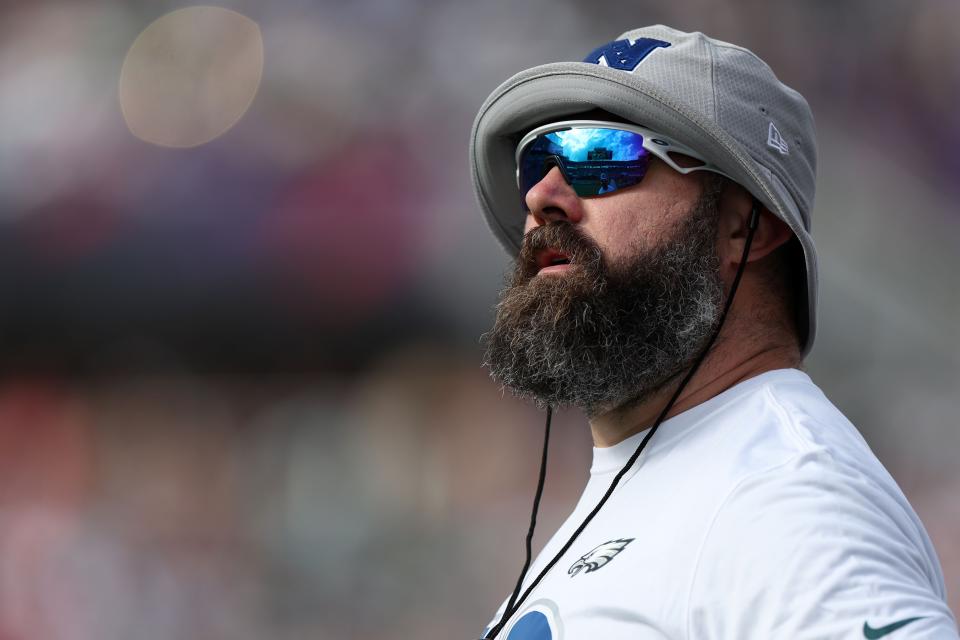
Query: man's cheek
{"points": [[529, 223], [614, 238]]}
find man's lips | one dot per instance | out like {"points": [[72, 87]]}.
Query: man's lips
{"points": [[555, 268], [551, 260]]}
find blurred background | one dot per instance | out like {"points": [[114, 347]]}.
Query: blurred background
{"points": [[244, 279]]}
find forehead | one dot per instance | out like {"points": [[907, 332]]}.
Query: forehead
{"points": [[601, 114], [592, 114]]}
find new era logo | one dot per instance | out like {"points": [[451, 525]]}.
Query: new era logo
{"points": [[775, 140]]}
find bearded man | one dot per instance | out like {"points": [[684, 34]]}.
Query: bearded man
{"points": [[657, 197]]}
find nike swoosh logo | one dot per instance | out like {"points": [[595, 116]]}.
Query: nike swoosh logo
{"points": [[872, 634]]}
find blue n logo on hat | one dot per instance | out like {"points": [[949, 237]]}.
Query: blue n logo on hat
{"points": [[624, 55]]}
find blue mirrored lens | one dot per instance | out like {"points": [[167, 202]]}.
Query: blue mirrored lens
{"points": [[594, 161]]}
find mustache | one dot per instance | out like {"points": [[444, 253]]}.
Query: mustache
{"points": [[561, 236]]}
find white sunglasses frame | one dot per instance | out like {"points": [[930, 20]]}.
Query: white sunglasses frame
{"points": [[657, 144]]}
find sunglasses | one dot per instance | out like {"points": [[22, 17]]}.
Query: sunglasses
{"points": [[596, 157]]}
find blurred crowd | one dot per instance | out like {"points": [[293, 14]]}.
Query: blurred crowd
{"points": [[321, 507], [241, 392]]}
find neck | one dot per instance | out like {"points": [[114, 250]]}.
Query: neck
{"points": [[725, 366]]}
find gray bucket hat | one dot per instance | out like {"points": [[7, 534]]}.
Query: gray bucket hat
{"points": [[717, 98]]}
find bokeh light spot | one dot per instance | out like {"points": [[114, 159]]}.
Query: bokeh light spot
{"points": [[191, 75]]}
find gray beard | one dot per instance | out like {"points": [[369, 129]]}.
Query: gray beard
{"points": [[601, 337]]}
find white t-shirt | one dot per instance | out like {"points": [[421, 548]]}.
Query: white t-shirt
{"points": [[759, 514]]}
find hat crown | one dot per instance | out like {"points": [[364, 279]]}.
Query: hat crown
{"points": [[733, 88]]}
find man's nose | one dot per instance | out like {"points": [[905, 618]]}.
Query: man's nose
{"points": [[553, 199]]}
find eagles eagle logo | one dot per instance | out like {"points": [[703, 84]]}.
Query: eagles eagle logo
{"points": [[599, 556]]}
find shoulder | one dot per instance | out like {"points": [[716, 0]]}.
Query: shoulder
{"points": [[764, 424], [806, 474], [779, 417], [811, 526]]}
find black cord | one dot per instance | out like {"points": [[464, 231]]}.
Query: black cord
{"points": [[512, 606], [533, 516]]}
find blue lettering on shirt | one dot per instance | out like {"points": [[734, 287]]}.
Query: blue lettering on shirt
{"points": [[532, 626]]}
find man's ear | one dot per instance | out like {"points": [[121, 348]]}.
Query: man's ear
{"points": [[734, 211]]}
